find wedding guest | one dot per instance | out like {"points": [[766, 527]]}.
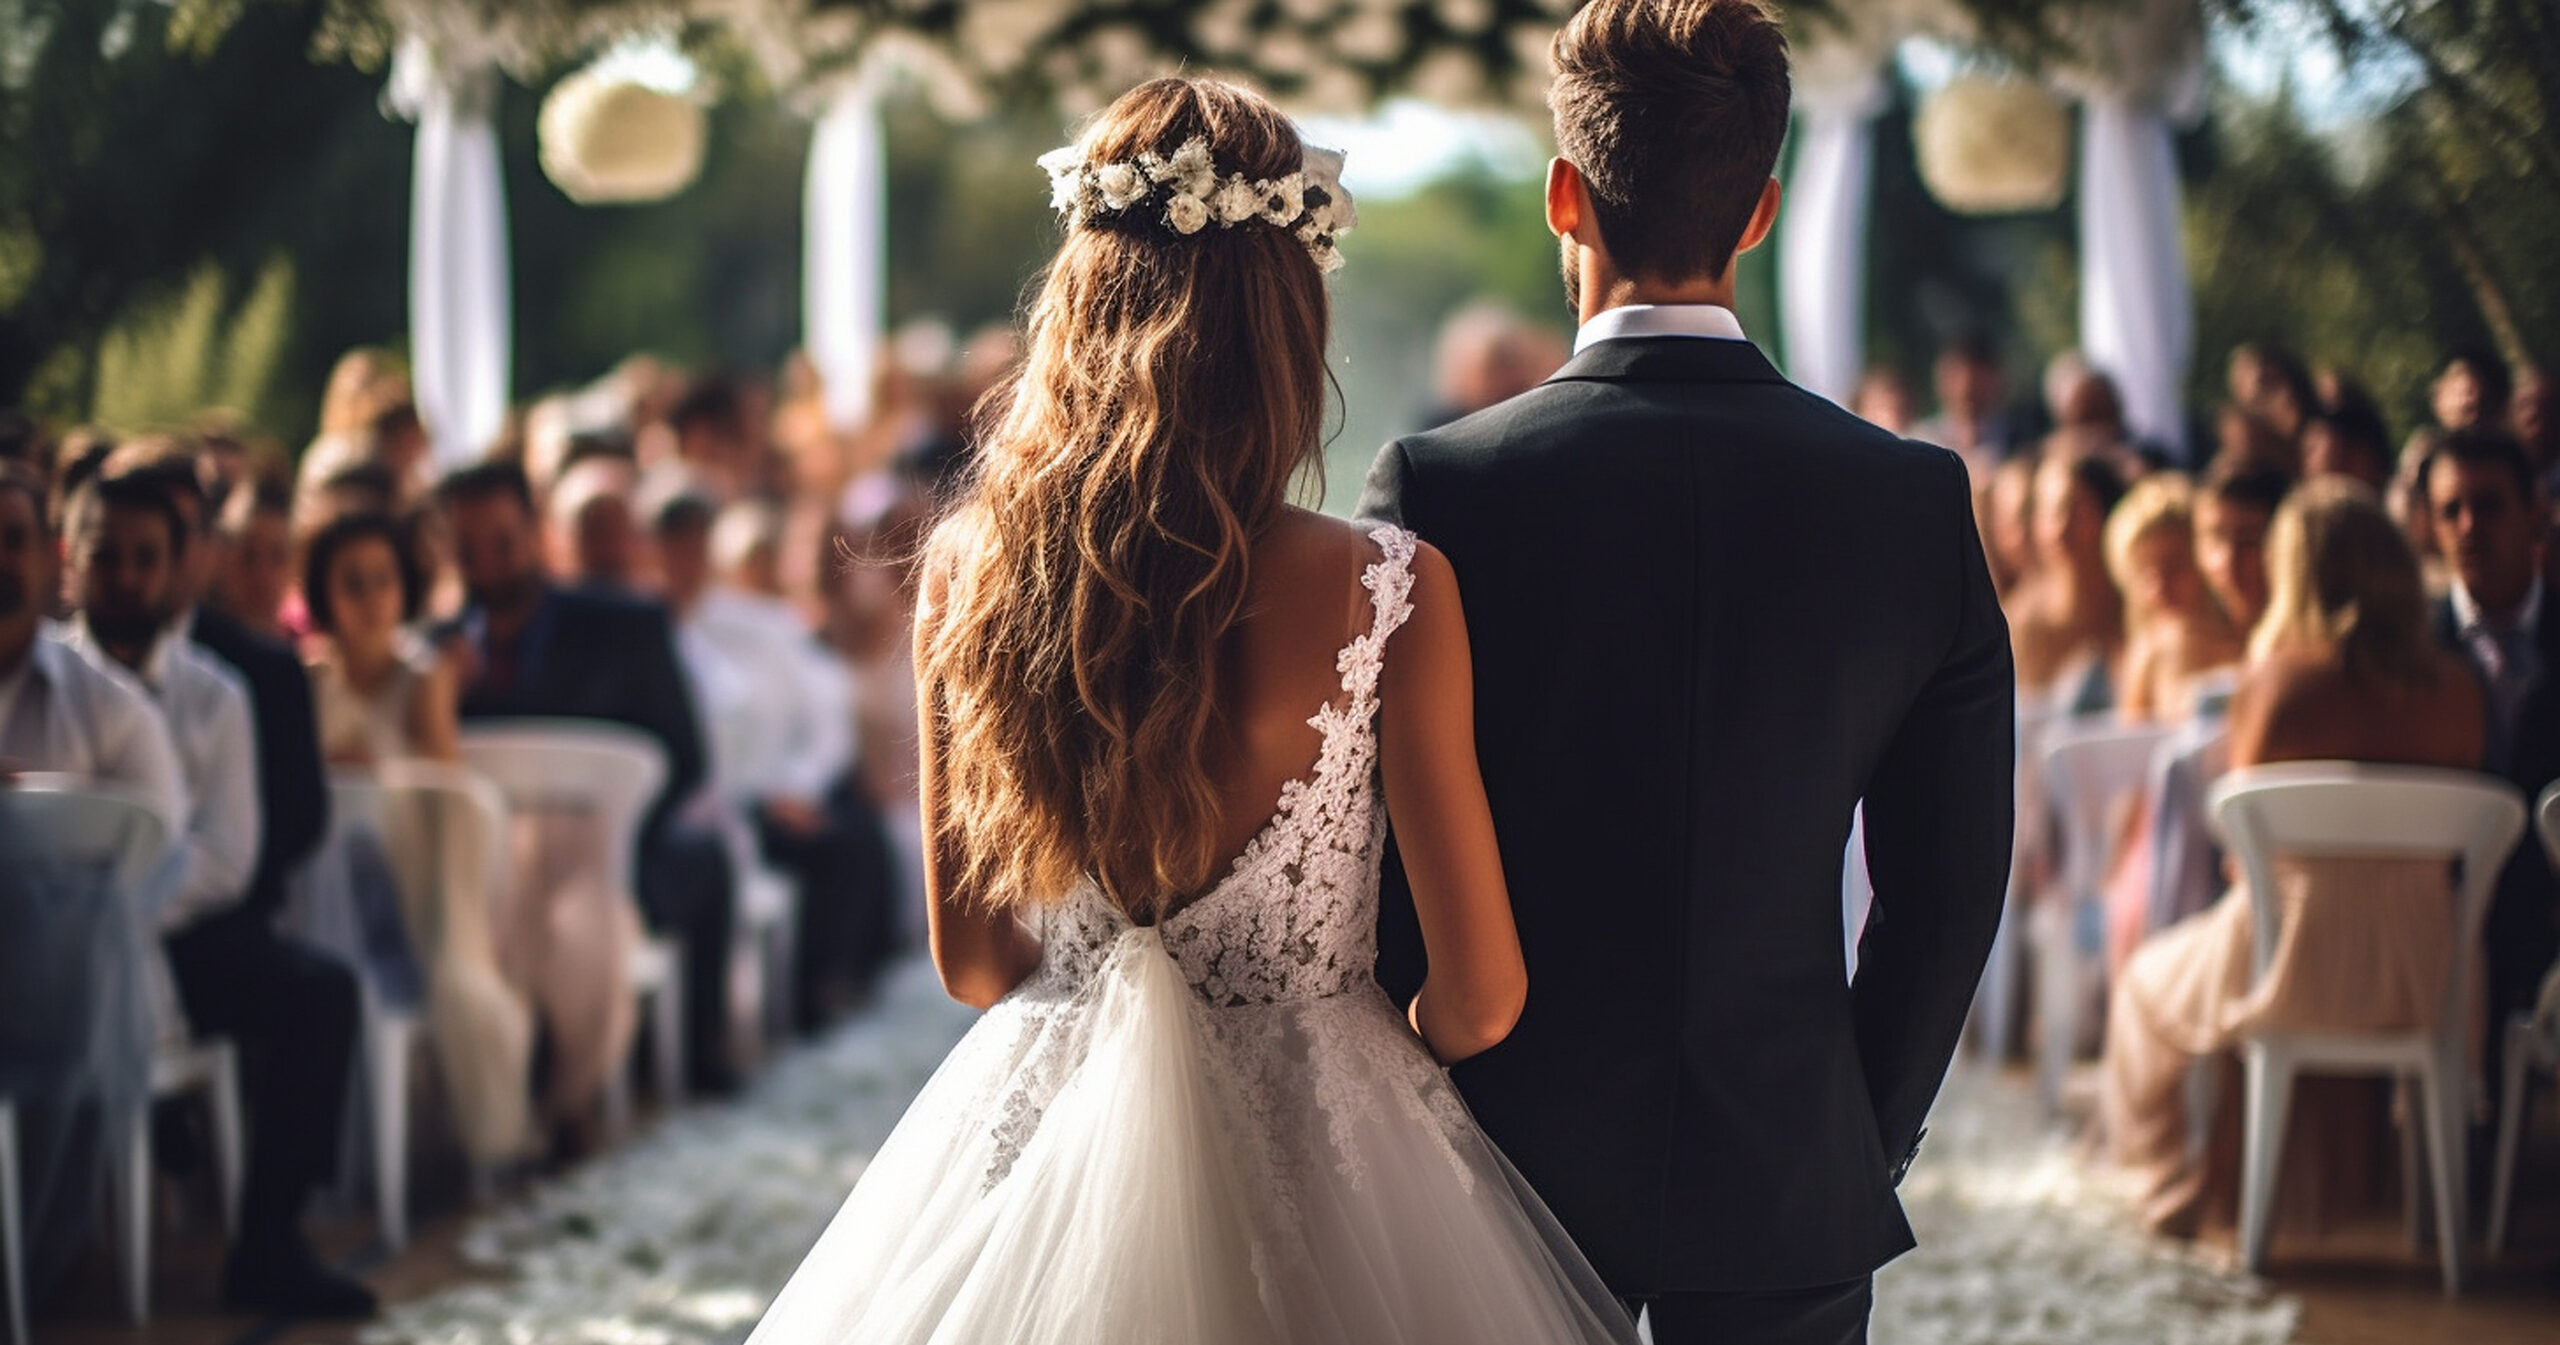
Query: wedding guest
{"points": [[1972, 419], [1884, 400], [2489, 518], [2533, 413], [2244, 437], [2349, 440], [2342, 668], [290, 1010], [2281, 394], [2407, 501], [2175, 632], [537, 649], [382, 692], [2473, 389], [2233, 510], [2068, 627], [292, 784], [255, 524], [594, 535], [385, 694], [1485, 354], [60, 712], [2005, 510], [718, 435]]}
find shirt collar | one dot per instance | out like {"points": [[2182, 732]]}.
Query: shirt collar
{"points": [[1711, 321], [2527, 616]]}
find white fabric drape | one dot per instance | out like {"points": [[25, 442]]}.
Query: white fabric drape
{"points": [[460, 306], [1822, 248], [2137, 319], [844, 273], [1822, 225]]}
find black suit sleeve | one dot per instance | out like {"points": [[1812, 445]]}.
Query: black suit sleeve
{"points": [[1400, 956], [662, 706], [1939, 814], [291, 778]]}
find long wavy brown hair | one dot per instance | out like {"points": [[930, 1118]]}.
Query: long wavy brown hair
{"points": [[1172, 395]]}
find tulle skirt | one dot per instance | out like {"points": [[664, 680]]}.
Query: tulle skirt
{"points": [[1116, 1161]]}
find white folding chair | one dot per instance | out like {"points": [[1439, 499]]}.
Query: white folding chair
{"points": [[102, 827], [2090, 770], [2527, 1052], [13, 1244], [613, 771], [471, 817], [2342, 808]]}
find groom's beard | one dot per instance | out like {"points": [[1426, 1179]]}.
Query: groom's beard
{"points": [[1569, 261]]}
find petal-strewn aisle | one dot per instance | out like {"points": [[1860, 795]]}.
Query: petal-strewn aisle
{"points": [[682, 1235]]}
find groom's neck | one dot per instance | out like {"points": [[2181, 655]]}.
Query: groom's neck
{"points": [[1603, 288]]}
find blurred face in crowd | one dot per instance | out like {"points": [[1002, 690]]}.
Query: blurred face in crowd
{"points": [[604, 542], [2164, 576], [365, 597], [684, 561], [2535, 417], [2231, 556], [126, 574], [1968, 388], [1883, 401], [2068, 526], [2486, 525], [257, 567], [494, 547], [27, 572], [2326, 452], [2011, 507], [2455, 399]]}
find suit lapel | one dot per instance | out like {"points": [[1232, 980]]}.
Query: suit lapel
{"points": [[1669, 359]]}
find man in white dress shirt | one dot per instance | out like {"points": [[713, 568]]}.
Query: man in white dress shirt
{"points": [[290, 1010], [124, 563], [59, 712]]}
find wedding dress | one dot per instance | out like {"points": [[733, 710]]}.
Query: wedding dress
{"points": [[1214, 1130]]}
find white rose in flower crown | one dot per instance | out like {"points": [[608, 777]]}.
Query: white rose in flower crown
{"points": [[1186, 214], [1065, 168], [1195, 173], [1236, 202], [1122, 185], [1286, 200]]}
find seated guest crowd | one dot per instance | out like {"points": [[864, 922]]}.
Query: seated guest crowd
{"points": [[681, 557], [2304, 597]]}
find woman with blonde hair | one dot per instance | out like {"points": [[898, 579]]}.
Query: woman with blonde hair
{"points": [[2174, 634], [1164, 716], [2343, 667]]}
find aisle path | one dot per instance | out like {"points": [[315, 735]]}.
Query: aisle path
{"points": [[683, 1235]]}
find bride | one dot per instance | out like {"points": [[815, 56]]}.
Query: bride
{"points": [[1166, 715]]}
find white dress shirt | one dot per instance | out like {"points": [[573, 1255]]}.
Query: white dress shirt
{"points": [[59, 712], [779, 708], [206, 709], [1712, 322]]}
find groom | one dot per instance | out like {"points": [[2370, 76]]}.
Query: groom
{"points": [[1711, 612]]}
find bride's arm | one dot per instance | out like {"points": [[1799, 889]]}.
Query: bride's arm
{"points": [[981, 953], [1444, 830]]}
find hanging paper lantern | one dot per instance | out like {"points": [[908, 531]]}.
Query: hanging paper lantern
{"points": [[1994, 146], [608, 140]]}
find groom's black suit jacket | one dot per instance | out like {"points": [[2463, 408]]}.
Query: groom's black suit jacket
{"points": [[1710, 613]]}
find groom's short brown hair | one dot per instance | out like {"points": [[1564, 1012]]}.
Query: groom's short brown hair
{"points": [[1673, 110]]}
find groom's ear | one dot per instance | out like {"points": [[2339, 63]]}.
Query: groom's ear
{"points": [[1567, 198], [1763, 217]]}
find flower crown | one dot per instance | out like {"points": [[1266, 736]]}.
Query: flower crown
{"points": [[1186, 194]]}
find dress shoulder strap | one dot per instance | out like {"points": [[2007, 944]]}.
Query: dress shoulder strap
{"points": [[1389, 580]]}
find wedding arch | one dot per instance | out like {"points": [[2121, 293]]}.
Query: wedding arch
{"points": [[834, 59]]}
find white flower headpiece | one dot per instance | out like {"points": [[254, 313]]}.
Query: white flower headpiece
{"points": [[1184, 193]]}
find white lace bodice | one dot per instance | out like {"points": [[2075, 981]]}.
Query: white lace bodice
{"points": [[1295, 918]]}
